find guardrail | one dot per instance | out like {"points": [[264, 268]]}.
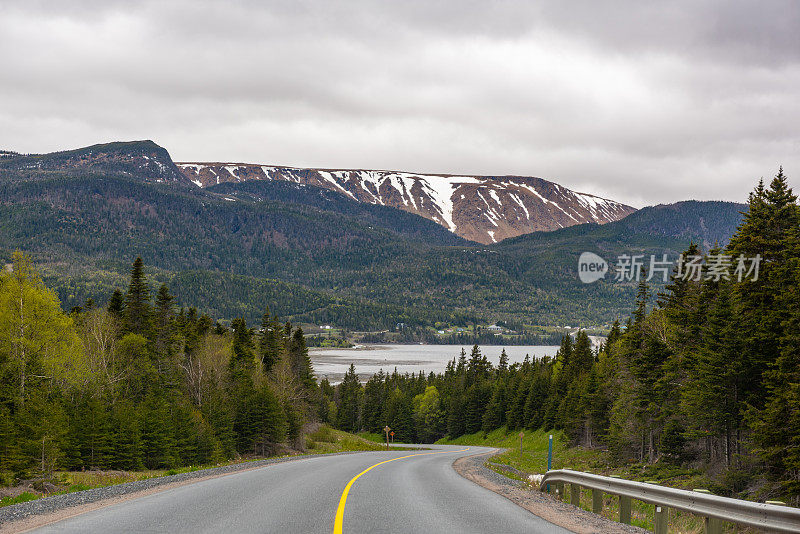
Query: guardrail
{"points": [[713, 508]]}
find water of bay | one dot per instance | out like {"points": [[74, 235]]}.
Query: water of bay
{"points": [[369, 359]]}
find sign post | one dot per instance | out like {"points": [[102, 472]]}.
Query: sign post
{"points": [[549, 457], [386, 429], [392, 434]]}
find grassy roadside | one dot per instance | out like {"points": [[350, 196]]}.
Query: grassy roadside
{"points": [[372, 436], [323, 440], [533, 460]]}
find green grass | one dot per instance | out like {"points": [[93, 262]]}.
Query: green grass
{"points": [[327, 440], [372, 436], [534, 450], [22, 497]]}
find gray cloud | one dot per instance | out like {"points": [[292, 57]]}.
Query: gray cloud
{"points": [[642, 102]]}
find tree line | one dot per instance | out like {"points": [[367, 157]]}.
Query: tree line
{"points": [[705, 374], [140, 383]]}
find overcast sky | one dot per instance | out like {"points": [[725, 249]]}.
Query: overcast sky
{"points": [[636, 101]]}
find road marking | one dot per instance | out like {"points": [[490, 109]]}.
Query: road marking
{"points": [[337, 525]]}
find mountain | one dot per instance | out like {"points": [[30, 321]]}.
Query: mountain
{"points": [[143, 159], [485, 209], [313, 254]]}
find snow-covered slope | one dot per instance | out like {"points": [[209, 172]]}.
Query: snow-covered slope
{"points": [[485, 209]]}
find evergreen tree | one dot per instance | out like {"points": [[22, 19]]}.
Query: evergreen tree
{"points": [[269, 345], [349, 393], [116, 304], [137, 302], [502, 366], [300, 361]]}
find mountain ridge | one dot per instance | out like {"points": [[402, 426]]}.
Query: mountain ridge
{"points": [[360, 265], [481, 208], [144, 159]]}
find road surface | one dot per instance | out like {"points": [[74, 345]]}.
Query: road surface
{"points": [[392, 491]]}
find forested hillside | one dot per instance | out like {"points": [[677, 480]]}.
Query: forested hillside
{"points": [[410, 226], [705, 374], [311, 254]]}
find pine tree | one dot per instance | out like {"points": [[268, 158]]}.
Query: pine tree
{"points": [[242, 389], [403, 421], [495, 413], [349, 393], [269, 346], [769, 229], [502, 366], [162, 320], [137, 302], [776, 425], [116, 304], [300, 361]]}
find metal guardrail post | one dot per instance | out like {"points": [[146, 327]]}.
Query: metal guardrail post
{"points": [[597, 501], [660, 519], [559, 490], [711, 525], [625, 510], [575, 495], [624, 506]]}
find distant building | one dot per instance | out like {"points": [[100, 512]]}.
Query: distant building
{"points": [[495, 328]]}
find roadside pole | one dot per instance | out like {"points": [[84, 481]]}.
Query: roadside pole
{"points": [[386, 429], [549, 457], [521, 434]]}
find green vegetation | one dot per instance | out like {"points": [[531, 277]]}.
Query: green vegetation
{"points": [[328, 342], [534, 447], [372, 436], [22, 497], [313, 256], [143, 384], [699, 389], [327, 439]]}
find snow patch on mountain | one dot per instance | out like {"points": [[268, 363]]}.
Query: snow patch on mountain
{"points": [[480, 208]]}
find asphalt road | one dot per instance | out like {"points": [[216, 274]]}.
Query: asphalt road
{"points": [[419, 493]]}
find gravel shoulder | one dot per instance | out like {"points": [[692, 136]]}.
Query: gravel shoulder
{"points": [[27, 516], [541, 504]]}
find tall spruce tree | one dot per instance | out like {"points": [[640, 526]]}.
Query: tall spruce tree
{"points": [[269, 345], [137, 313]]}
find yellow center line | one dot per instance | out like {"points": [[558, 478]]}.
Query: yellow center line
{"points": [[337, 525]]}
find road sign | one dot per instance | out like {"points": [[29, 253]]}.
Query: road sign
{"points": [[387, 430]]}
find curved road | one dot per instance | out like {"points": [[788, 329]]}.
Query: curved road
{"points": [[407, 492]]}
